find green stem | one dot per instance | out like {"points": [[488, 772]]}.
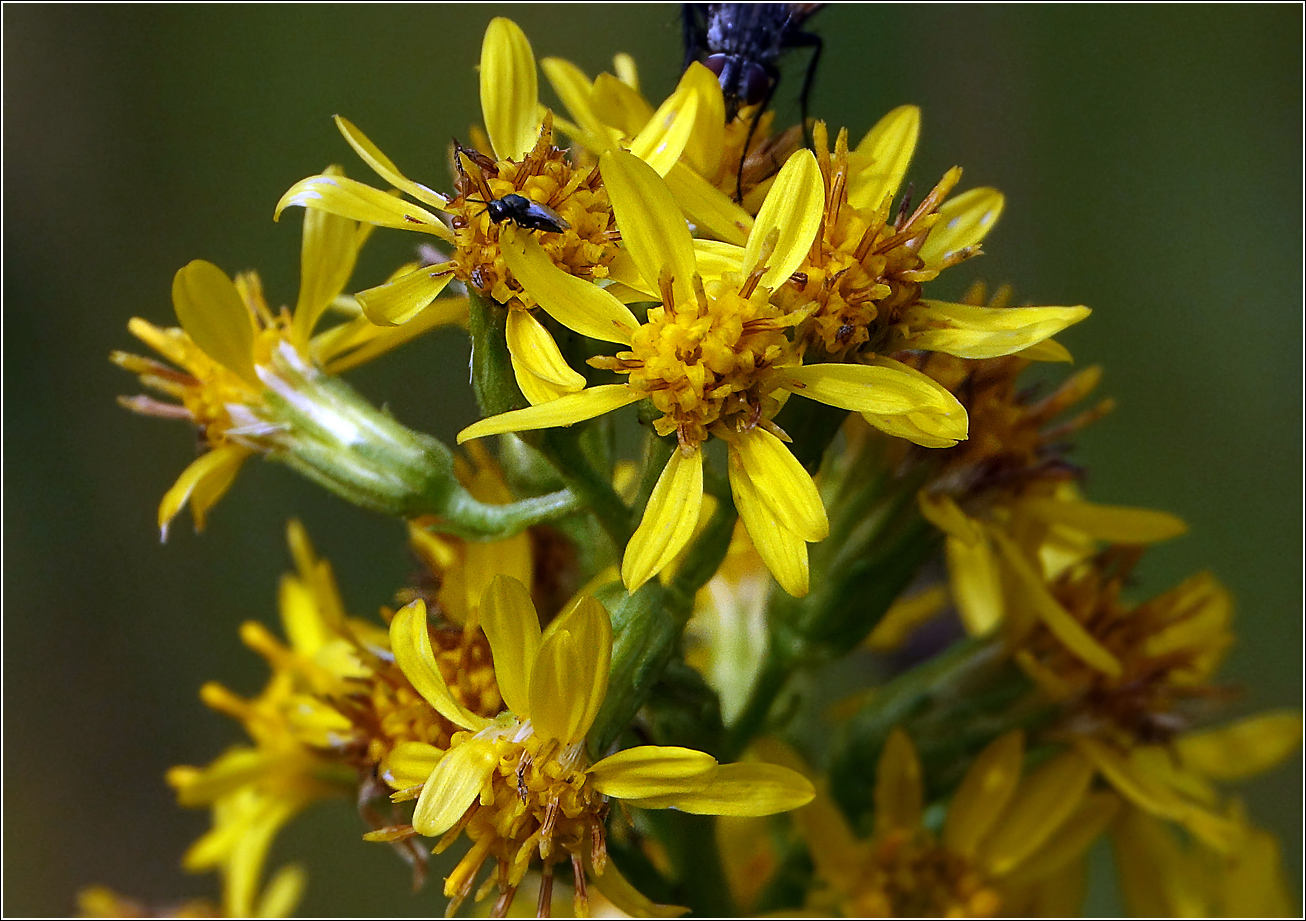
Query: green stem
{"points": [[563, 450], [464, 516]]}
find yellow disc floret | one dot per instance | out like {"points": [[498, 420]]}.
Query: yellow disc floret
{"points": [[710, 361]]}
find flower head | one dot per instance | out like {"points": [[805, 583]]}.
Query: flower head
{"points": [[520, 160], [521, 785], [867, 265], [1005, 847], [231, 350]]}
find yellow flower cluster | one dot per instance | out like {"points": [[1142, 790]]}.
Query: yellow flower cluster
{"points": [[595, 656]]}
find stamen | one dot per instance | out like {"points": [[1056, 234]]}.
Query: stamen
{"points": [[544, 907], [580, 904]]}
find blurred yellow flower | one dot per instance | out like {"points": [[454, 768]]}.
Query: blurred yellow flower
{"points": [[1012, 842]]}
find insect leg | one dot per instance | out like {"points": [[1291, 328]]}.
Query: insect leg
{"points": [[774, 76], [693, 31], [813, 41]]}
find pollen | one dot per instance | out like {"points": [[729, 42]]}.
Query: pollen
{"points": [[710, 361], [545, 177], [865, 267], [539, 802]]}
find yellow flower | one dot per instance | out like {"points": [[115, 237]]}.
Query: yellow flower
{"points": [[229, 341], [867, 265], [713, 358], [521, 785], [1125, 678], [334, 709], [1163, 875], [1010, 844], [524, 163]]}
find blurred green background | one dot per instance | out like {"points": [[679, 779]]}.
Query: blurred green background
{"points": [[1151, 159]]}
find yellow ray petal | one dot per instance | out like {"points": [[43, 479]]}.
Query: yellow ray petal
{"points": [[1045, 800], [711, 210], [1115, 523], [531, 346], [203, 482], [360, 340], [652, 228], [984, 793], [326, 260], [668, 522], [510, 623], [454, 784], [398, 301], [983, 332], [537, 390], [1055, 617], [899, 796], [570, 676], [1073, 838], [904, 616], [212, 313], [573, 302], [358, 202], [1243, 749], [373, 157], [282, 894], [715, 258], [566, 410], [889, 145], [976, 586], [871, 389], [589, 621], [1047, 350], [963, 221], [738, 789], [703, 152], [838, 855], [412, 648], [943, 512], [651, 771], [931, 425], [576, 91], [663, 138], [409, 764], [781, 481], [620, 105], [510, 97], [783, 551], [795, 208]]}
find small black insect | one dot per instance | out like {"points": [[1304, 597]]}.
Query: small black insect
{"points": [[740, 43], [527, 214]]}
